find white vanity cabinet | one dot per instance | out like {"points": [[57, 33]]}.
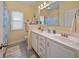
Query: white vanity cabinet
{"points": [[54, 50], [47, 47], [34, 41], [41, 46]]}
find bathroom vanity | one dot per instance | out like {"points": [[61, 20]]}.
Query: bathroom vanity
{"points": [[49, 45]]}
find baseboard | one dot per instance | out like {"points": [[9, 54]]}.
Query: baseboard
{"points": [[11, 41], [15, 43]]}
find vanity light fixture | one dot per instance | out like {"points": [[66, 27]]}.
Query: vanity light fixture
{"points": [[44, 5]]}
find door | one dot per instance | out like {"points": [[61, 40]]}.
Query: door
{"points": [[6, 27], [1, 27], [54, 50]]}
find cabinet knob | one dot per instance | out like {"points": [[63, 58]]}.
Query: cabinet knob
{"points": [[48, 44], [41, 50], [41, 44], [37, 37]]}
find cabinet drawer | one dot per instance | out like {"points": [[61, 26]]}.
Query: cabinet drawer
{"points": [[41, 52], [42, 39], [41, 44]]}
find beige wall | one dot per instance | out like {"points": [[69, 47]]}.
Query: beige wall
{"points": [[16, 36]]}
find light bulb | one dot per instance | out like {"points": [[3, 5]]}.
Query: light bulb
{"points": [[41, 5], [44, 3]]}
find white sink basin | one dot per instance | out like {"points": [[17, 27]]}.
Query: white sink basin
{"points": [[52, 34], [70, 39], [74, 39]]}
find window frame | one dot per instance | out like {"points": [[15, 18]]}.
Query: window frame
{"points": [[17, 21]]}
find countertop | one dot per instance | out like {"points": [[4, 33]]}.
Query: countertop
{"points": [[71, 42]]}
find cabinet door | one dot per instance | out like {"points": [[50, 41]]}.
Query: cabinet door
{"points": [[41, 47], [34, 41], [77, 54], [55, 50], [49, 49]]}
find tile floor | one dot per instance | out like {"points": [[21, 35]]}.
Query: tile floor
{"points": [[19, 50]]}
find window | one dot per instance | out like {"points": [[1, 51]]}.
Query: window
{"points": [[42, 19], [17, 20], [49, 20]]}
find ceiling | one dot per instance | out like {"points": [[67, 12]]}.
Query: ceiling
{"points": [[30, 2]]}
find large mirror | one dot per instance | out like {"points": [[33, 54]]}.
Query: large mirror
{"points": [[50, 15], [77, 21], [62, 15], [71, 19]]}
